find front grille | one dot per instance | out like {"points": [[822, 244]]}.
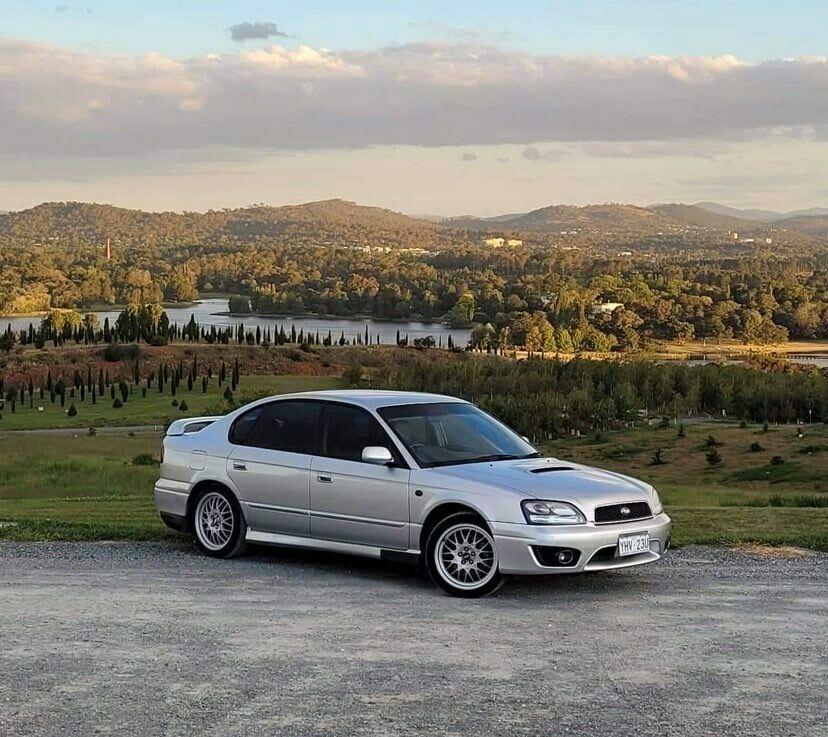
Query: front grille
{"points": [[622, 512]]}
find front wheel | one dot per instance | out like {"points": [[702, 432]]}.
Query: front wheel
{"points": [[219, 527], [461, 557]]}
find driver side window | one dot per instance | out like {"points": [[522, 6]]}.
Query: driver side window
{"points": [[348, 430]]}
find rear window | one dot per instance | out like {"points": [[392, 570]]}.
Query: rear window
{"points": [[289, 426]]}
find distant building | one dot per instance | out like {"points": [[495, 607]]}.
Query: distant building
{"points": [[606, 308], [625, 253], [769, 241], [500, 242]]}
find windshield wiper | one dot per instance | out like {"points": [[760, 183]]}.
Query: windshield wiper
{"points": [[492, 457], [483, 459]]}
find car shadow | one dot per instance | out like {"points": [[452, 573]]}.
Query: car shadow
{"points": [[300, 561]]}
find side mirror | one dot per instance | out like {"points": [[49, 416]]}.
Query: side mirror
{"points": [[377, 455]]}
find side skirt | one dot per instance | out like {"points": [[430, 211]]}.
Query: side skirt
{"points": [[365, 551]]}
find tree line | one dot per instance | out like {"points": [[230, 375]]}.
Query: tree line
{"points": [[547, 398]]}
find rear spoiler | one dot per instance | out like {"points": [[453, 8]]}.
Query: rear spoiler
{"points": [[190, 425]]}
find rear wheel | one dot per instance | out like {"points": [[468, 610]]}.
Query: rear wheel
{"points": [[218, 523], [461, 557]]}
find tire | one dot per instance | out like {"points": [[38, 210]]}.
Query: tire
{"points": [[461, 557], [218, 524]]}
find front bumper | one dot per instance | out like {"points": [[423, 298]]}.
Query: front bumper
{"points": [[515, 543]]}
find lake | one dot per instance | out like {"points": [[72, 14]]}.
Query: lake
{"points": [[208, 312]]}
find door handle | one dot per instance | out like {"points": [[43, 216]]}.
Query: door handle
{"points": [[239, 466], [324, 478]]}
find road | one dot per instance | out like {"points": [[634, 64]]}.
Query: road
{"points": [[70, 431], [154, 639]]}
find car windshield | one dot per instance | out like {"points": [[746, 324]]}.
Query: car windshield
{"points": [[448, 433]]}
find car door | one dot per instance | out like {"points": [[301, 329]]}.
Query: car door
{"points": [[353, 501], [271, 461]]}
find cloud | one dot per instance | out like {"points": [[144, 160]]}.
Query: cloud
{"points": [[60, 102], [655, 149], [468, 157], [532, 153], [61, 8], [257, 30]]}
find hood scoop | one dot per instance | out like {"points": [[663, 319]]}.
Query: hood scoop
{"points": [[550, 469]]}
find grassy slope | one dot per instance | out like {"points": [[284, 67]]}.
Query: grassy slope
{"points": [[86, 488], [729, 502], [155, 408]]}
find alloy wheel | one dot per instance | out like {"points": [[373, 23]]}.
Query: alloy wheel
{"points": [[466, 556], [214, 521]]}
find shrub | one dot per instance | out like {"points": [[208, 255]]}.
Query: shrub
{"points": [[657, 460], [183, 406], [117, 404], [228, 394], [72, 411], [119, 352], [144, 459], [713, 457], [777, 461], [157, 340], [353, 375], [711, 442], [92, 432], [682, 432], [665, 422], [174, 403], [765, 426], [756, 448], [742, 424]]}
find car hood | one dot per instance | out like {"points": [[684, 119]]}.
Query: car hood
{"points": [[549, 478]]}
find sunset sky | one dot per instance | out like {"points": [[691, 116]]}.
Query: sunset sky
{"points": [[430, 107]]}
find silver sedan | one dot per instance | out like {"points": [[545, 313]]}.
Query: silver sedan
{"points": [[401, 476]]}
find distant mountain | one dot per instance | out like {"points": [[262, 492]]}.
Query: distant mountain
{"points": [[606, 217], [700, 217], [816, 226], [619, 218], [338, 222], [763, 216], [329, 221]]}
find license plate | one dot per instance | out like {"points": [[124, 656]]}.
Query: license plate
{"points": [[634, 544]]}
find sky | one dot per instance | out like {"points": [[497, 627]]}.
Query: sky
{"points": [[427, 107]]}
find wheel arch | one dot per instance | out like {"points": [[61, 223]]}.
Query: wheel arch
{"points": [[443, 510], [198, 489]]}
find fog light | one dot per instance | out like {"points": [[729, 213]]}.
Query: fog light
{"points": [[565, 557]]}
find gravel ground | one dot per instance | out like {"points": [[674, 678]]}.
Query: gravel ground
{"points": [[154, 639]]}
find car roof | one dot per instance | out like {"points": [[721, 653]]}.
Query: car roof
{"points": [[371, 398]]}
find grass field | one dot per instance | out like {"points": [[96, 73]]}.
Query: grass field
{"points": [[81, 488], [744, 498], [154, 409]]}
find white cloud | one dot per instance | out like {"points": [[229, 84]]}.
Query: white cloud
{"points": [[57, 102]]}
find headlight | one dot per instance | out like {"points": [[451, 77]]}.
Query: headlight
{"points": [[658, 508], [551, 513]]}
